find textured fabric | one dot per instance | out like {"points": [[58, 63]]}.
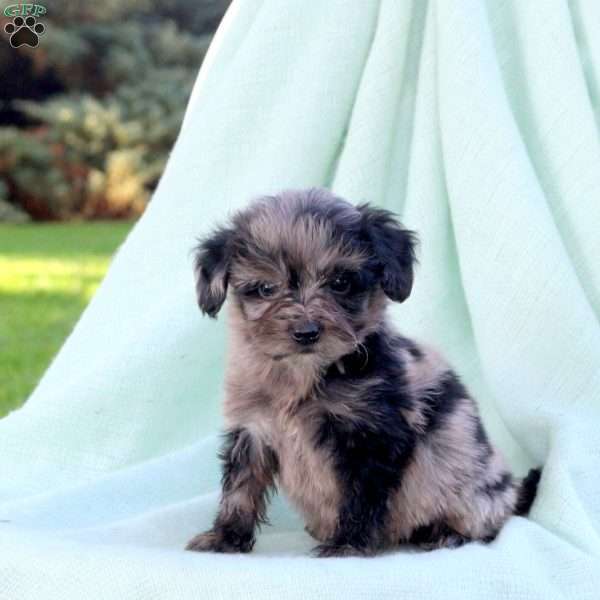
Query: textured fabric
{"points": [[476, 123]]}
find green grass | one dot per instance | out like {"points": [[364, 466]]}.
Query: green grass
{"points": [[48, 273]]}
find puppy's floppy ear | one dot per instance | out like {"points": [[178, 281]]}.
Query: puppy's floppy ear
{"points": [[394, 248], [211, 267]]}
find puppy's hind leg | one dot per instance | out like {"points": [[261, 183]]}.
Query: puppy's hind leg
{"points": [[436, 536]]}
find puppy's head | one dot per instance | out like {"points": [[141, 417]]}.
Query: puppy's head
{"points": [[308, 273]]}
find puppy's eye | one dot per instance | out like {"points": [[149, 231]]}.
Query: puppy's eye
{"points": [[267, 290], [340, 284]]}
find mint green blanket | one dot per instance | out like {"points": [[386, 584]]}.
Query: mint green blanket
{"points": [[473, 120]]}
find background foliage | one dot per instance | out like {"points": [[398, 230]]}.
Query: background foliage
{"points": [[88, 117]]}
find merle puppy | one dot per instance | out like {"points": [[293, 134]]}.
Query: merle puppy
{"points": [[371, 435]]}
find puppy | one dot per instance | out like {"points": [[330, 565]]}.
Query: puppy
{"points": [[371, 436]]}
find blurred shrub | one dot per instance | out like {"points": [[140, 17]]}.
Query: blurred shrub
{"points": [[97, 148], [8, 212]]}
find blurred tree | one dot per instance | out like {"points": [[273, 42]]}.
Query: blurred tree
{"points": [[96, 107], [9, 212]]}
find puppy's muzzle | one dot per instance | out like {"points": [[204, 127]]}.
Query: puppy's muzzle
{"points": [[307, 333]]}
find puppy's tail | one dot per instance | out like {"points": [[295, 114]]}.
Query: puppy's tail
{"points": [[526, 491]]}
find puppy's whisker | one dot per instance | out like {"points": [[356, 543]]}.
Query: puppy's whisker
{"points": [[364, 351]]}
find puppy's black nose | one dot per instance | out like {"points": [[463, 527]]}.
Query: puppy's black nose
{"points": [[307, 333]]}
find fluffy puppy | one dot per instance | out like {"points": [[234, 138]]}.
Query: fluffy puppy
{"points": [[371, 435]]}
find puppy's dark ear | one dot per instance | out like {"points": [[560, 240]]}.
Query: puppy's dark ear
{"points": [[394, 248], [211, 267]]}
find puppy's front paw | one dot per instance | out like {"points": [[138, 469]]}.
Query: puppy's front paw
{"points": [[204, 542], [221, 541], [315, 533], [331, 549]]}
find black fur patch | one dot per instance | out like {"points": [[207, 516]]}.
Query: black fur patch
{"points": [[441, 400], [294, 280], [375, 357], [361, 283], [213, 254], [437, 534], [394, 248], [415, 352], [527, 491], [426, 534], [239, 454], [480, 435], [502, 484], [369, 454], [243, 472], [403, 343], [483, 442], [239, 440], [235, 535]]}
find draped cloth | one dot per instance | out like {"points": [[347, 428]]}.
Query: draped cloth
{"points": [[476, 122]]}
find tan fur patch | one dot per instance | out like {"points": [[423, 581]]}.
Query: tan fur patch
{"points": [[423, 372]]}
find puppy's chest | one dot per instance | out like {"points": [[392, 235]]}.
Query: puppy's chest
{"points": [[291, 426]]}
